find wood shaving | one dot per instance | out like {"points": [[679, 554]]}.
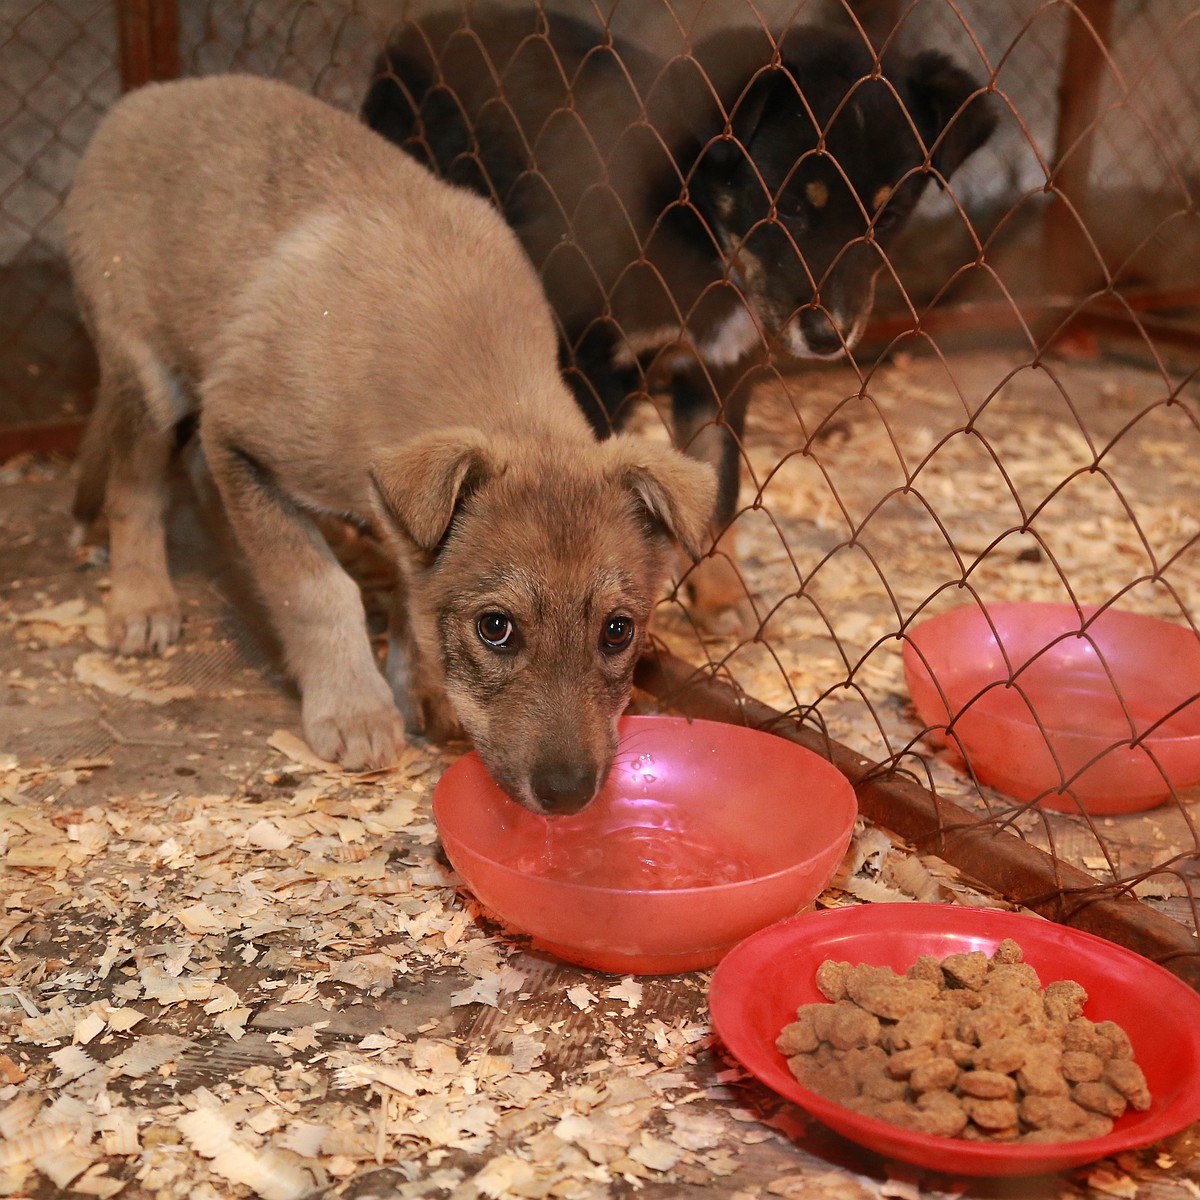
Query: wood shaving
{"points": [[97, 671], [25, 1147], [628, 990], [217, 933], [581, 996]]}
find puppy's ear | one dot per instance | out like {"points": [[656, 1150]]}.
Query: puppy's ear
{"points": [[939, 89], [677, 492], [418, 487], [727, 153]]}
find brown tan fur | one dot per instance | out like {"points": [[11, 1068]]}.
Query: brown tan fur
{"points": [[360, 339]]}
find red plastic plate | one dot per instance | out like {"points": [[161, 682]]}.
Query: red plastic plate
{"points": [[764, 979]]}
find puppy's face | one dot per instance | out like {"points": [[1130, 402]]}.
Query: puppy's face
{"points": [[536, 598], [538, 646], [824, 169]]}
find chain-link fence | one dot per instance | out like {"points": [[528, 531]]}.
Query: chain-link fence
{"points": [[1016, 420]]}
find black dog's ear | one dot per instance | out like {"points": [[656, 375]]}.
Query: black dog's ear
{"points": [[767, 89], [939, 89]]}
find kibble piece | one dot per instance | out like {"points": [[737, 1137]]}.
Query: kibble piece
{"points": [[1095, 1126], [963, 1053], [1008, 952], [799, 1037], [895, 1112], [992, 1115], [825, 1054], [940, 1114], [1023, 1004], [861, 1059], [1059, 1113], [1126, 1076], [1006, 1054], [984, 1025], [879, 1085], [953, 1002], [902, 1064], [928, 968], [1011, 1133], [1080, 1034], [1100, 1098], [966, 970], [863, 975], [987, 1085], [851, 1026], [1064, 1000], [1042, 1076], [828, 1080], [1118, 1040], [916, 1029], [1018, 974], [822, 1019], [1081, 1066], [936, 1075], [894, 1000], [831, 979]]}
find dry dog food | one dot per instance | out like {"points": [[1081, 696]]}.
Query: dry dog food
{"points": [[969, 1047]]}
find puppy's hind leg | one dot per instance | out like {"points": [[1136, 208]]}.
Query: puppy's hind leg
{"points": [[345, 706], [143, 609]]}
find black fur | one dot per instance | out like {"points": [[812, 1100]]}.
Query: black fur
{"points": [[655, 196]]}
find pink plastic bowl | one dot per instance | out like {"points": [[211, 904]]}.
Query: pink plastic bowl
{"points": [[1099, 711], [754, 824], [760, 984]]}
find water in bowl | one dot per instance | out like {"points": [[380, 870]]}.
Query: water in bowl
{"points": [[634, 856]]}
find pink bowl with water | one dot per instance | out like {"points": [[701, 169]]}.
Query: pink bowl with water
{"points": [[703, 834], [1071, 708]]}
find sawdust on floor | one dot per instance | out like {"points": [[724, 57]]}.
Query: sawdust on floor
{"points": [[231, 969]]}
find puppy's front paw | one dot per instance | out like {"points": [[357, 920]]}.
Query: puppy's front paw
{"points": [[147, 629], [359, 735]]}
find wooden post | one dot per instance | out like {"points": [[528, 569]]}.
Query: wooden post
{"points": [[1070, 266], [148, 33]]}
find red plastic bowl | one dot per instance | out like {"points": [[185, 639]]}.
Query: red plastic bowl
{"points": [[755, 824], [1098, 711], [759, 985]]}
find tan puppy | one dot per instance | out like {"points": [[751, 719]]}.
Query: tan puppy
{"points": [[360, 339]]}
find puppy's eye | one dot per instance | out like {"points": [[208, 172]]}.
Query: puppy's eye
{"points": [[616, 634], [495, 629], [791, 207], [886, 219]]}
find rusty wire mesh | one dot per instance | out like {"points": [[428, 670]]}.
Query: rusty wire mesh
{"points": [[1019, 421], [58, 74]]}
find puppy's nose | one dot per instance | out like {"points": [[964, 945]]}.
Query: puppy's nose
{"points": [[820, 333], [564, 788]]}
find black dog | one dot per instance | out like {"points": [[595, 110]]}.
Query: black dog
{"points": [[687, 217]]}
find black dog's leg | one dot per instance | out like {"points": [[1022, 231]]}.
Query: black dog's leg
{"points": [[390, 107], [708, 411], [603, 391]]}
